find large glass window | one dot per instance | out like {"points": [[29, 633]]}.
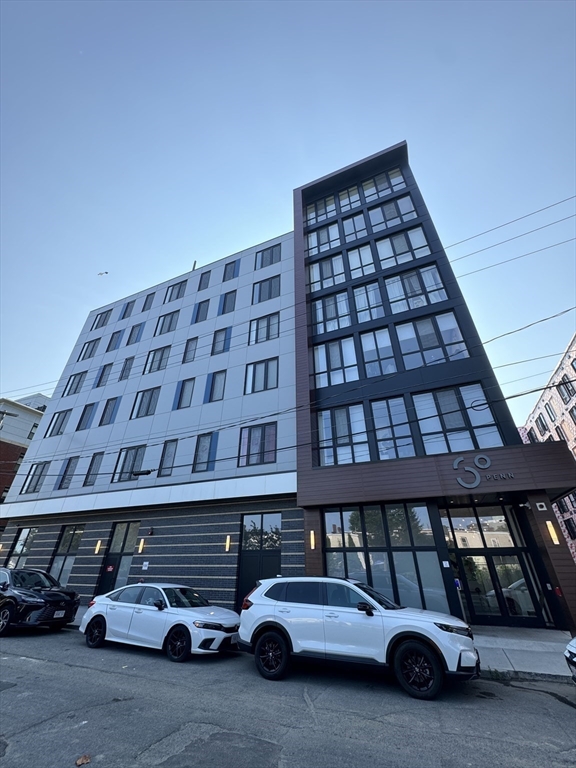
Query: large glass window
{"points": [[175, 291], [157, 360], [320, 211], [88, 350], [184, 396], [21, 548], [354, 227], [368, 300], [127, 309], [103, 376], [167, 323], [360, 261], [326, 273], [190, 350], [261, 376], [383, 184], [129, 461], [342, 436], [205, 452], [109, 412], [402, 247], [221, 341], [215, 386], [85, 421], [58, 423], [135, 334], [335, 362], [414, 289], [148, 301], [264, 328], [268, 256], [145, 403], [323, 239], [378, 353], [331, 313], [201, 311], [69, 468], [257, 445], [392, 428], [126, 369], [168, 458], [266, 290], [566, 389], [66, 553], [93, 469], [262, 531], [35, 477], [231, 271], [228, 302], [349, 198], [114, 341], [541, 424], [453, 420], [431, 340], [204, 281], [101, 319], [392, 213], [75, 383]]}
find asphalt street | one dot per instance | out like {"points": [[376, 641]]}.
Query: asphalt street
{"points": [[127, 707]]}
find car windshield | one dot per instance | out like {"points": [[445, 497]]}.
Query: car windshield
{"points": [[379, 598], [184, 597], [33, 580]]}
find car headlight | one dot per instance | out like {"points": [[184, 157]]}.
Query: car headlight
{"points": [[27, 599], [208, 625], [465, 631]]}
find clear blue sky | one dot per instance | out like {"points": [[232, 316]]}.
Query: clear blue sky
{"points": [[138, 137]]}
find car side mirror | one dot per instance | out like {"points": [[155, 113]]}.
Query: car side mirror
{"points": [[160, 604], [4, 586], [366, 607]]}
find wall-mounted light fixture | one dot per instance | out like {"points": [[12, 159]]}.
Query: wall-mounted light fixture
{"points": [[98, 546], [141, 546], [151, 531], [228, 542], [552, 532], [312, 540]]}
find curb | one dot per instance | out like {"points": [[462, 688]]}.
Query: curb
{"points": [[509, 675]]}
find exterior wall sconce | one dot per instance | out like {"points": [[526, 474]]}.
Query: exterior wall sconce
{"points": [[141, 546], [312, 540], [227, 544], [98, 546], [151, 531], [552, 532]]}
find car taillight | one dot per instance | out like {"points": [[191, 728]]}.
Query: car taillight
{"points": [[91, 603], [247, 603]]}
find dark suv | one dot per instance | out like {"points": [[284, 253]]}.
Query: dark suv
{"points": [[32, 598]]}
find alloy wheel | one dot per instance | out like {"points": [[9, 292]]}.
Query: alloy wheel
{"points": [[417, 671], [177, 643], [271, 655]]}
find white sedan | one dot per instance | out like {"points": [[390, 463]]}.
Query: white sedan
{"points": [[172, 617]]}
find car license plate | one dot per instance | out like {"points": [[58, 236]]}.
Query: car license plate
{"points": [[59, 614]]}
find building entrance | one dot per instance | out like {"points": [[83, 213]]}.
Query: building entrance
{"points": [[260, 557], [119, 558]]}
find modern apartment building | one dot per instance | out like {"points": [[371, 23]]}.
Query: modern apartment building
{"points": [[318, 404], [554, 418]]}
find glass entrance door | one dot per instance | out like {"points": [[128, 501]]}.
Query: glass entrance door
{"points": [[117, 563], [492, 567]]}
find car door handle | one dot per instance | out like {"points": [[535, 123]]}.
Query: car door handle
{"points": [[138, 610], [283, 610], [331, 615], [111, 607]]}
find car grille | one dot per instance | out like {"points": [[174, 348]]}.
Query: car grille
{"points": [[231, 630], [47, 613]]}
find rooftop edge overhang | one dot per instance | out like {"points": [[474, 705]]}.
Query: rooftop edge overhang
{"points": [[543, 467]]}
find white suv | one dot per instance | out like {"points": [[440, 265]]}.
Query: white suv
{"points": [[337, 619]]}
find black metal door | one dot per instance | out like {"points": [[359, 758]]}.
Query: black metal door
{"points": [[260, 557], [116, 566]]}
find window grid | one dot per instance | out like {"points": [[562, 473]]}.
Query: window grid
{"points": [[126, 369], [415, 289], [221, 341], [58, 423], [392, 428], [168, 458], [145, 403], [326, 273], [453, 420], [35, 477], [266, 290], [75, 383], [368, 301], [229, 271], [190, 350], [135, 334], [331, 313], [86, 418], [378, 353], [101, 319], [203, 458], [157, 359], [93, 469], [127, 311], [323, 239], [342, 436], [201, 311], [320, 211], [431, 340], [114, 341], [392, 213], [349, 199], [566, 389], [228, 302], [68, 473], [383, 184], [268, 256], [335, 362], [261, 376], [109, 412], [175, 291], [354, 227], [166, 323], [402, 247], [148, 301], [217, 386], [264, 328], [186, 392], [88, 350], [550, 411], [129, 461], [257, 445], [361, 262], [103, 376], [204, 281], [541, 424]]}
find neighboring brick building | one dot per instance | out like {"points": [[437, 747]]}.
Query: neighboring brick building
{"points": [[554, 418]]}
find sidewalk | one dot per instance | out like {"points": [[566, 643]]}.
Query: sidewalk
{"points": [[507, 653]]}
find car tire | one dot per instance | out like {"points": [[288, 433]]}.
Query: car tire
{"points": [[178, 644], [418, 670], [96, 632], [272, 656], [6, 616]]}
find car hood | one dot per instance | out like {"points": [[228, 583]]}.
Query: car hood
{"points": [[50, 594], [432, 616], [572, 645], [213, 613]]}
